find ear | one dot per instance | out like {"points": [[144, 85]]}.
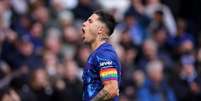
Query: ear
{"points": [[100, 29]]}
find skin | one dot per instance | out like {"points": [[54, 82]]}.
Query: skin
{"points": [[94, 34]]}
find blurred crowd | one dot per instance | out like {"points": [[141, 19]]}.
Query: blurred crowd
{"points": [[42, 55]]}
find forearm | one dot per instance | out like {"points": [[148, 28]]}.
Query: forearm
{"points": [[109, 78], [106, 94]]}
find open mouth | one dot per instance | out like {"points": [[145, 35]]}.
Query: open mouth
{"points": [[83, 31]]}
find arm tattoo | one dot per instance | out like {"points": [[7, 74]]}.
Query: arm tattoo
{"points": [[103, 95]]}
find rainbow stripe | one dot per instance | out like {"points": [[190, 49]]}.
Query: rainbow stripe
{"points": [[108, 74]]}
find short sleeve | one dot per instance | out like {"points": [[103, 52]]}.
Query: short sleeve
{"points": [[107, 65]]}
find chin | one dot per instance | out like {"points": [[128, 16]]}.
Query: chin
{"points": [[85, 41]]}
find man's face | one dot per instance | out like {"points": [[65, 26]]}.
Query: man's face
{"points": [[90, 28]]}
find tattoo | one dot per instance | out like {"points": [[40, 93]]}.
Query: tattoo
{"points": [[104, 37], [103, 95]]}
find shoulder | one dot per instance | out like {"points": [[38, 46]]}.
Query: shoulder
{"points": [[106, 56], [106, 51]]}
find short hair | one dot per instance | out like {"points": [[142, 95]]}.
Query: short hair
{"points": [[107, 19], [153, 66]]}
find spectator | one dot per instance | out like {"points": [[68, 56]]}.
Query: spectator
{"points": [[71, 40], [160, 36], [149, 49], [40, 88], [52, 41], [155, 87], [182, 33], [154, 5], [5, 13], [81, 55], [69, 88], [51, 63], [187, 82], [125, 40], [136, 9], [128, 65], [36, 37], [157, 22], [135, 30], [41, 14], [25, 55], [9, 95], [83, 10], [22, 25]]}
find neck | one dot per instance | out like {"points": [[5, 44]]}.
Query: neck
{"points": [[96, 44]]}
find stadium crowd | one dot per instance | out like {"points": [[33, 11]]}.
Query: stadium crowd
{"points": [[42, 54]]}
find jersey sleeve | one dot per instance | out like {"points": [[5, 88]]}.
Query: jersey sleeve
{"points": [[107, 65]]}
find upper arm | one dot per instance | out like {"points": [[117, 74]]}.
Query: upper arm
{"points": [[109, 76], [108, 72], [108, 69]]}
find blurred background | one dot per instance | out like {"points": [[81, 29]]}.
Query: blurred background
{"points": [[42, 55]]}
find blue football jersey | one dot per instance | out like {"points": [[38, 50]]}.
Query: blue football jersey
{"points": [[102, 65]]}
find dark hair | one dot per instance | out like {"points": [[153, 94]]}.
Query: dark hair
{"points": [[107, 19]]}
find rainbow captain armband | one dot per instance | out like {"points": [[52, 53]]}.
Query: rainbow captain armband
{"points": [[108, 74]]}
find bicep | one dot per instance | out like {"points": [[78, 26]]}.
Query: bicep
{"points": [[109, 79], [108, 74]]}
